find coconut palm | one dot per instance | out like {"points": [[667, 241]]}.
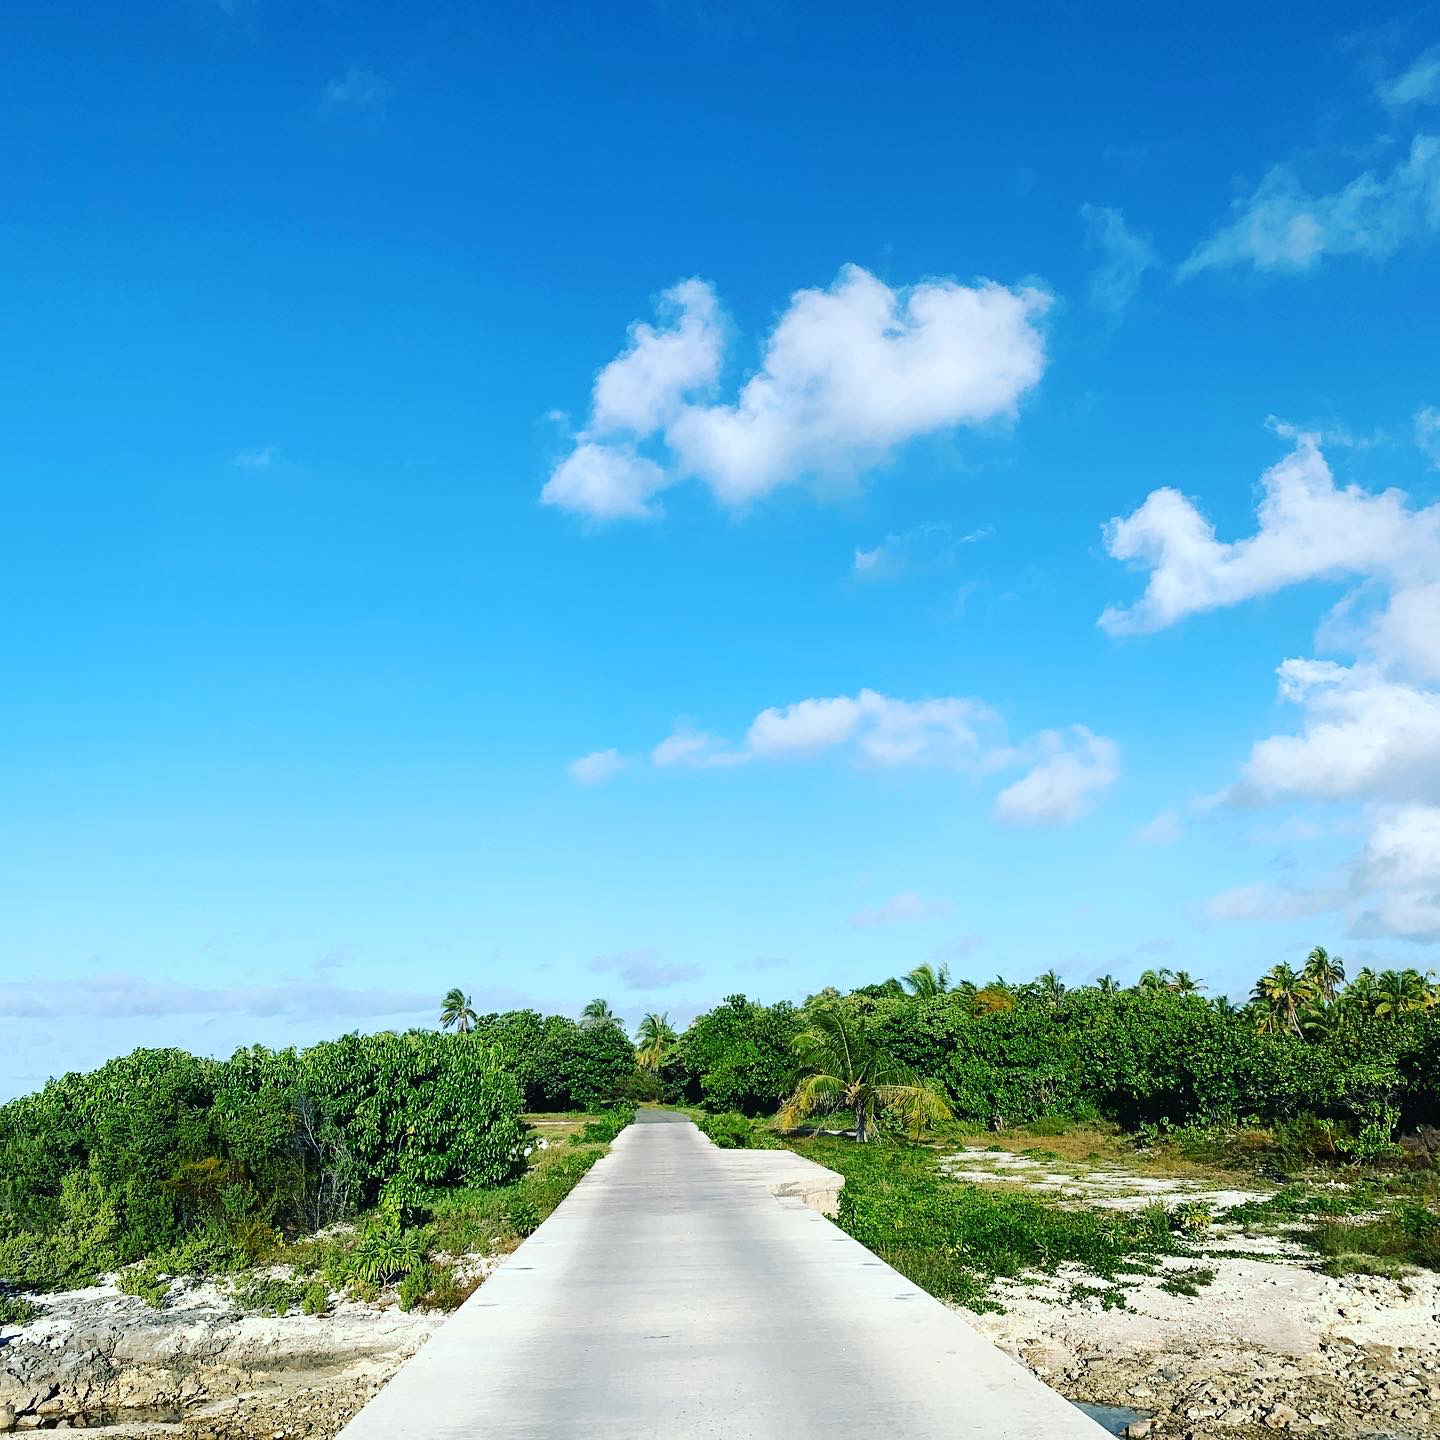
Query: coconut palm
{"points": [[456, 1012], [925, 982], [1362, 992], [1108, 985], [1280, 994], [598, 1012], [1183, 983], [653, 1038], [841, 1069], [1324, 972], [1397, 992], [1153, 980], [1050, 986]]}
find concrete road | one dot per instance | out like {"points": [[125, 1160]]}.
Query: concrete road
{"points": [[674, 1295]]}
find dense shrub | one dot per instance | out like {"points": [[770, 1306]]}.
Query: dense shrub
{"points": [[730, 1131], [559, 1063], [736, 1057], [211, 1165]]}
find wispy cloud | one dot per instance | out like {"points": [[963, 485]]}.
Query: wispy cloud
{"points": [[931, 545], [1282, 226], [1418, 84], [597, 767], [125, 996], [359, 91], [906, 906], [1124, 257], [1063, 785], [849, 374], [1427, 433], [261, 458], [644, 969], [1164, 829]]}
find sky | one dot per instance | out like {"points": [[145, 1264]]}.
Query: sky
{"points": [[675, 498]]}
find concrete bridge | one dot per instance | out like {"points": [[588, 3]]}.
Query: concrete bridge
{"points": [[682, 1291]]}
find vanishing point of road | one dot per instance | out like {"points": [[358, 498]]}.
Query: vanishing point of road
{"points": [[682, 1291]]}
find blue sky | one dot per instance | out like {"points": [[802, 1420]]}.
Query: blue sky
{"points": [[675, 498]]}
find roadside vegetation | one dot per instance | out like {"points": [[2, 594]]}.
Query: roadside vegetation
{"points": [[386, 1164]]}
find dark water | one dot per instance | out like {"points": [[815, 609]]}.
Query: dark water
{"points": [[1113, 1418]]}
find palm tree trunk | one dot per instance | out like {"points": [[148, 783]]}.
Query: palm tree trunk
{"points": [[861, 1136]]}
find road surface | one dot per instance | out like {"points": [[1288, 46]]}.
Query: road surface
{"points": [[673, 1296]]}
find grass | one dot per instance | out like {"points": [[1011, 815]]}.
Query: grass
{"points": [[16, 1310], [1407, 1234], [955, 1240]]}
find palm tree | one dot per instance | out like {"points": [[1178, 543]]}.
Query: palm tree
{"points": [[842, 1069], [1324, 972], [1050, 986], [925, 982], [1108, 985], [653, 1038], [1224, 1005], [1362, 992], [1183, 983], [1281, 993], [456, 1012], [1152, 980], [1397, 992], [598, 1012]]}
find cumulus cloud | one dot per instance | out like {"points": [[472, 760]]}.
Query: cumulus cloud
{"points": [[907, 905], [596, 767], [1282, 226], [124, 996], [1309, 528], [1369, 731], [1419, 84], [848, 374], [1123, 258], [932, 545], [1063, 785], [643, 969]]}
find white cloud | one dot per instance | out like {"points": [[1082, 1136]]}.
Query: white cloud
{"points": [[905, 906], [847, 375], [956, 733], [1125, 256], [1369, 731], [596, 767], [1417, 85], [643, 969], [1164, 829], [1064, 785], [1362, 736], [125, 996], [358, 90], [261, 458], [1283, 227], [1309, 529], [1427, 433], [929, 546]]}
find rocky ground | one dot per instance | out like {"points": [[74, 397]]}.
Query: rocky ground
{"points": [[96, 1357], [1270, 1344]]}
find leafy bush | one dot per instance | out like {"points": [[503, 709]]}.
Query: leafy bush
{"points": [[315, 1299], [1408, 1233], [736, 1057], [414, 1287], [729, 1131], [145, 1282], [603, 1130], [16, 1310], [268, 1295]]}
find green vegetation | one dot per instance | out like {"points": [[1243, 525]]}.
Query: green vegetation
{"points": [[731, 1131], [954, 1239], [16, 1310]]}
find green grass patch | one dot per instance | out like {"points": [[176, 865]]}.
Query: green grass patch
{"points": [[955, 1240], [16, 1310], [1408, 1234]]}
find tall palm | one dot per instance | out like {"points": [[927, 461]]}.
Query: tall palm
{"points": [[456, 1012], [842, 1069], [598, 1012], [1182, 982], [1153, 980], [1362, 993], [925, 982], [1108, 985], [653, 1038], [1324, 972], [1281, 993]]}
